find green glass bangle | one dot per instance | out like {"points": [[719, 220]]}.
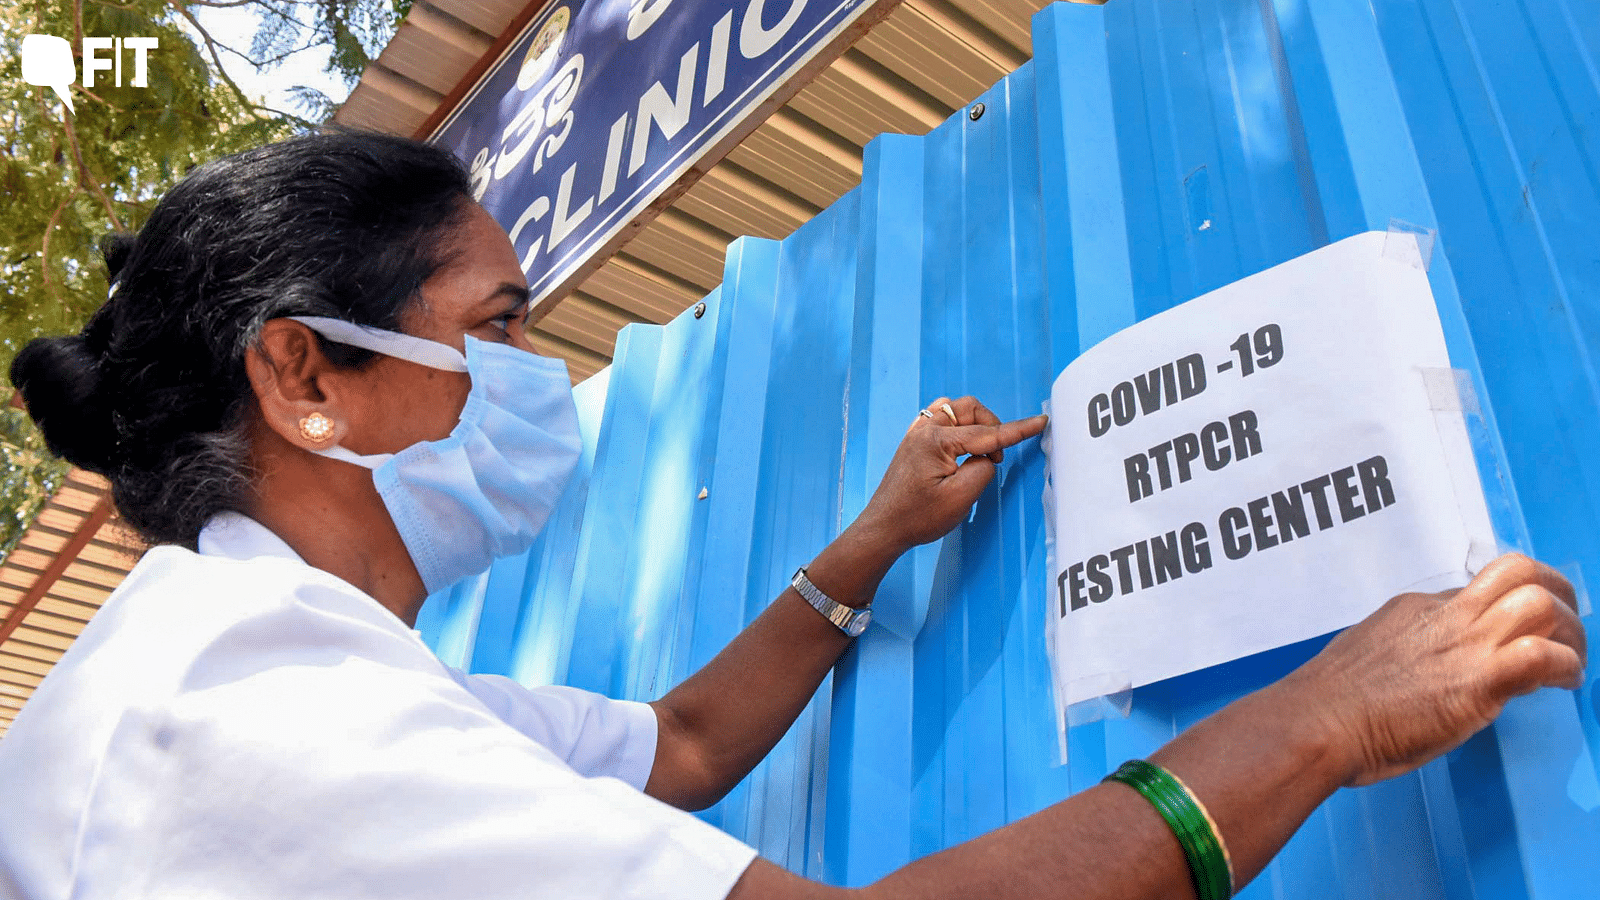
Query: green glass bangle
{"points": [[1209, 865]]}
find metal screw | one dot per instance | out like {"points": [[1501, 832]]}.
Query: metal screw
{"points": [[699, 310], [977, 111]]}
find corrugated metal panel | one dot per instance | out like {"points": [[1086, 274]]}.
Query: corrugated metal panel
{"points": [[982, 259], [907, 75], [66, 565]]}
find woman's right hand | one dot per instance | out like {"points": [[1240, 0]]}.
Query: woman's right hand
{"points": [[1414, 680], [1427, 671]]}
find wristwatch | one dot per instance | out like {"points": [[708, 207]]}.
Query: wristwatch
{"points": [[850, 621]]}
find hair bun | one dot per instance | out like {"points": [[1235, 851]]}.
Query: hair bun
{"points": [[115, 248], [60, 381]]}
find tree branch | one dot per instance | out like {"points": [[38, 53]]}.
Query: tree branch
{"points": [[86, 177], [269, 60], [297, 119], [274, 60], [216, 59], [96, 97], [262, 8], [212, 49], [44, 245], [44, 115]]}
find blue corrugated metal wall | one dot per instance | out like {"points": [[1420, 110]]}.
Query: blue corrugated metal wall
{"points": [[1152, 151]]}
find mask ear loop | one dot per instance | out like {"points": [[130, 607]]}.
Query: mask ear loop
{"points": [[369, 461], [421, 351]]}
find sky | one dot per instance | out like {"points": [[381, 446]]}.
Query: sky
{"points": [[234, 26]]}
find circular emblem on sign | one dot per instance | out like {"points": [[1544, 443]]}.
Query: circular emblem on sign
{"points": [[546, 48]]}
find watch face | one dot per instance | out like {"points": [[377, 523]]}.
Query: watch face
{"points": [[860, 623]]}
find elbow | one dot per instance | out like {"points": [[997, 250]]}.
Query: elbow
{"points": [[687, 773], [688, 787], [705, 798]]}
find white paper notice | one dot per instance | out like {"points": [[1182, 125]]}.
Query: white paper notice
{"points": [[1258, 466]]}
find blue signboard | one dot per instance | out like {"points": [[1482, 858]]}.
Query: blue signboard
{"points": [[601, 106]]}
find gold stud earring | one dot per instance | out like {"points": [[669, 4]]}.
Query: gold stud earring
{"points": [[316, 427]]}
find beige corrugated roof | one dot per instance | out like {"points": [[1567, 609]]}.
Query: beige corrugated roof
{"points": [[910, 72], [75, 553]]}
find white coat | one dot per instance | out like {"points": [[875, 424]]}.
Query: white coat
{"points": [[237, 724]]}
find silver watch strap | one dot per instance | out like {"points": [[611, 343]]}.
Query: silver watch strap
{"points": [[848, 620]]}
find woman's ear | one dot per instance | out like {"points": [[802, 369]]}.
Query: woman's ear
{"points": [[292, 381]]}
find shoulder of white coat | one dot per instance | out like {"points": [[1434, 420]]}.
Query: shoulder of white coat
{"points": [[174, 586], [298, 648], [180, 619], [180, 607]]}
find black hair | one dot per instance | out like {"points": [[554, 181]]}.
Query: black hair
{"points": [[153, 393]]}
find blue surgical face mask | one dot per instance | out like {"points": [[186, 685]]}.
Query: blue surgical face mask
{"points": [[487, 489]]}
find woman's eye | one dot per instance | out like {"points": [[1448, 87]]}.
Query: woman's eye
{"points": [[506, 322]]}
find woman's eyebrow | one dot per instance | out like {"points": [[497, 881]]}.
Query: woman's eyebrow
{"points": [[519, 295]]}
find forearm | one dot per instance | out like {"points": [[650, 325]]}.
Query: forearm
{"points": [[1260, 766], [723, 720], [1409, 682]]}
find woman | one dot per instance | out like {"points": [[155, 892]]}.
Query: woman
{"points": [[311, 387]]}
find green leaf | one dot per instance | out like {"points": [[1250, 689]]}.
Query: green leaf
{"points": [[68, 185]]}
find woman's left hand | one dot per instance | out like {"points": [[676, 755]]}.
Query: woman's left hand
{"points": [[928, 489]]}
